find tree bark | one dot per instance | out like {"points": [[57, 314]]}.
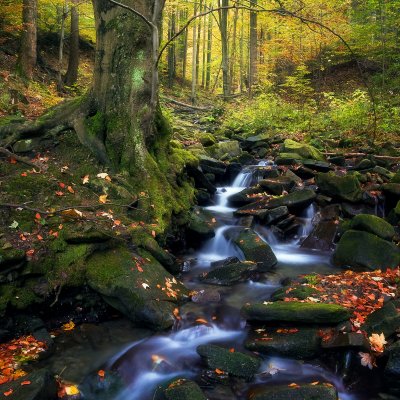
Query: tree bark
{"points": [[209, 49], [194, 61], [28, 51], [253, 47], [73, 58], [171, 49], [223, 23]]}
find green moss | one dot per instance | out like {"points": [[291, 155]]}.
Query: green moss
{"points": [[95, 124]]}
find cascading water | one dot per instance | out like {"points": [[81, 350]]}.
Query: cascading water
{"points": [[147, 364]]}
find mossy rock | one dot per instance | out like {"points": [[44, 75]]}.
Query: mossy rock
{"points": [[236, 364], [206, 139], [200, 226], [230, 274], [246, 196], [301, 344], [345, 188], [10, 256], [278, 185], [305, 151], [256, 250], [306, 392], [305, 313], [135, 286], [224, 150], [366, 251], [300, 293], [396, 178], [288, 159], [373, 224], [183, 389]]}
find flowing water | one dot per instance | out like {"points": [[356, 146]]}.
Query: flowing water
{"points": [[147, 364]]}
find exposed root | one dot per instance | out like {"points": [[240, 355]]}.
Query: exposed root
{"points": [[22, 160]]}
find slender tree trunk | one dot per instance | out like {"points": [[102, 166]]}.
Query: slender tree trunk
{"points": [[233, 52], [199, 23], [63, 17], [253, 48], [194, 60], [204, 52], [209, 48], [185, 47], [28, 51], [73, 59], [171, 49], [223, 19], [241, 67]]}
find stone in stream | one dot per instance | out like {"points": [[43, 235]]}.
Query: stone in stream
{"points": [[136, 292], [392, 192], [300, 344], [373, 224], [322, 237], [256, 250], [42, 387], [320, 166], [392, 369], [305, 313], [200, 179], [384, 320], [246, 196], [183, 389], [366, 251], [234, 363], [269, 217], [277, 185], [200, 226], [295, 201], [230, 274], [306, 392], [224, 150], [345, 187]]}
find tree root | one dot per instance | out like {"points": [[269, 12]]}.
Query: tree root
{"points": [[22, 160]]}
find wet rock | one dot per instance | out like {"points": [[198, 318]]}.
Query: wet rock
{"points": [[183, 389], [322, 237], [211, 166], [203, 197], [346, 340], [232, 171], [304, 172], [277, 185], [26, 145], [136, 293], [385, 173], [200, 226], [338, 160], [206, 139], [374, 225], [385, 319], [345, 188], [256, 250], [396, 178], [74, 234], [351, 210], [200, 180], [236, 364], [227, 261], [366, 251], [206, 296], [296, 343], [270, 217], [365, 164], [300, 293], [246, 196], [288, 159], [42, 387], [392, 369], [307, 392], [287, 222], [305, 313], [392, 193], [305, 151], [10, 256], [230, 274]]}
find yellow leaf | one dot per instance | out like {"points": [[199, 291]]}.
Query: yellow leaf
{"points": [[85, 179], [103, 198], [71, 390], [68, 326]]}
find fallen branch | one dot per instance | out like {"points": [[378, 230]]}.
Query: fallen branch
{"points": [[22, 160], [352, 155]]}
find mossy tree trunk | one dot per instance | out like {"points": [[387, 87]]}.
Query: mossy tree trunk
{"points": [[124, 81]]}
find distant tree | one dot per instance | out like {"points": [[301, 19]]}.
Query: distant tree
{"points": [[73, 59]]}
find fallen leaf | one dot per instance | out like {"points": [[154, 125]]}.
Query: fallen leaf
{"points": [[377, 342], [71, 189], [14, 225], [145, 286], [69, 326], [71, 390], [8, 392], [85, 179], [23, 174], [366, 360], [103, 198], [61, 184], [219, 371], [23, 383], [101, 373]]}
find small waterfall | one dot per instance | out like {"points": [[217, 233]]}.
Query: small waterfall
{"points": [[308, 225]]}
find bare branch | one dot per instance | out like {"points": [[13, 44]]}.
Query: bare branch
{"points": [[140, 15]]}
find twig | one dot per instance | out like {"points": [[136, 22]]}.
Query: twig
{"points": [[178, 103]]}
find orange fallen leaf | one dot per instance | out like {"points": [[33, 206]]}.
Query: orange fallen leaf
{"points": [[85, 179], [70, 189], [59, 194], [61, 184], [13, 161], [23, 383], [201, 321], [153, 233], [219, 371], [314, 383], [101, 373], [40, 237], [8, 392], [69, 326], [24, 174]]}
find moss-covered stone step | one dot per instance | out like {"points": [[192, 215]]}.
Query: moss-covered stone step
{"points": [[299, 344], [304, 150], [364, 250], [373, 224], [256, 250], [345, 187], [234, 363], [300, 293], [306, 392], [306, 313]]}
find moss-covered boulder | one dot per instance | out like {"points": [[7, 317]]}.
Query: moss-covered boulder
{"points": [[306, 392], [299, 292], [366, 251], [306, 313], [200, 226], [139, 287], [234, 363], [373, 224], [392, 369], [277, 185], [183, 389], [10, 256], [246, 196], [296, 343], [224, 150], [256, 250], [230, 274], [396, 178], [305, 151], [345, 187], [206, 139]]}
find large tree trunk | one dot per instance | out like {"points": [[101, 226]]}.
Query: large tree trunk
{"points": [[73, 58], [28, 54], [123, 87]]}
